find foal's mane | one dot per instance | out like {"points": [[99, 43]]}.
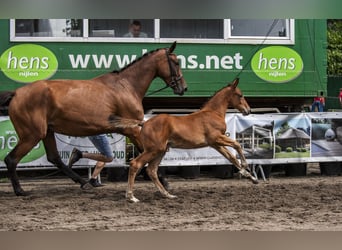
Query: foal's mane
{"points": [[115, 71], [212, 97]]}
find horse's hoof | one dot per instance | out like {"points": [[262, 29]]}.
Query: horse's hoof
{"points": [[165, 183], [21, 193], [74, 157], [86, 186]]}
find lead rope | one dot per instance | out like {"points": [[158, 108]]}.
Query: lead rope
{"points": [[171, 73], [275, 21], [156, 91]]}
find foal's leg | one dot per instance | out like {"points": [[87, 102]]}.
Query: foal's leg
{"points": [[134, 136], [12, 159], [135, 139], [152, 170], [135, 165], [53, 157], [225, 152], [224, 140]]}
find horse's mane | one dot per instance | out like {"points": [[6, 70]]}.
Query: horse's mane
{"points": [[115, 71]]}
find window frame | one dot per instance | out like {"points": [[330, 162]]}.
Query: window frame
{"points": [[227, 37], [286, 40]]}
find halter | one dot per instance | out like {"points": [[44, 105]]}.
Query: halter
{"points": [[174, 78]]}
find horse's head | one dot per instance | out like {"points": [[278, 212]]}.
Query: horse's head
{"points": [[170, 71], [237, 100]]}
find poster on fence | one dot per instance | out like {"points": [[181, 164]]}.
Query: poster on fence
{"points": [[273, 139], [255, 136], [326, 137], [292, 136]]}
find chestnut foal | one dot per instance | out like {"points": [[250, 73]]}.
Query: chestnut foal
{"points": [[206, 127]]}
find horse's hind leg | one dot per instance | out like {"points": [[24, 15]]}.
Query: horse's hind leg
{"points": [[12, 160], [53, 157]]}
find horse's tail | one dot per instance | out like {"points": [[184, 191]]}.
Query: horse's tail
{"points": [[121, 122], [5, 99]]}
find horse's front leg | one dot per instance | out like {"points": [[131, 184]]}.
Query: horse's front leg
{"points": [[53, 157]]}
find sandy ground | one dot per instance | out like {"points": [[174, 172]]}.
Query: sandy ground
{"points": [[310, 203]]}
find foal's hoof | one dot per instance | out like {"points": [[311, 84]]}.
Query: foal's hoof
{"points": [[86, 186], [132, 199], [170, 196], [254, 180]]}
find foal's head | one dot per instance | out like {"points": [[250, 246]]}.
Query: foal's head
{"points": [[170, 71], [237, 100]]}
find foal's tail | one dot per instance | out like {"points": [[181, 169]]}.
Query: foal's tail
{"points": [[5, 99], [121, 122]]}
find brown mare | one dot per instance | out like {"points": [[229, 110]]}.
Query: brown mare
{"points": [[84, 107], [206, 127]]}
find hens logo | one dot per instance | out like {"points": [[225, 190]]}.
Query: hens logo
{"points": [[277, 64], [9, 139], [28, 63]]}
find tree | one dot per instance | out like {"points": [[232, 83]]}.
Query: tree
{"points": [[285, 126], [334, 47]]}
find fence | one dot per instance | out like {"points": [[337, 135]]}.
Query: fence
{"points": [[265, 139]]}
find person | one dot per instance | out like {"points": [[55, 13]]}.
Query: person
{"points": [[319, 102], [106, 155], [135, 30], [340, 97]]}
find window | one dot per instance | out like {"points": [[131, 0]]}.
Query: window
{"points": [[121, 28], [48, 27], [259, 28], [187, 28], [234, 31], [268, 31]]}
